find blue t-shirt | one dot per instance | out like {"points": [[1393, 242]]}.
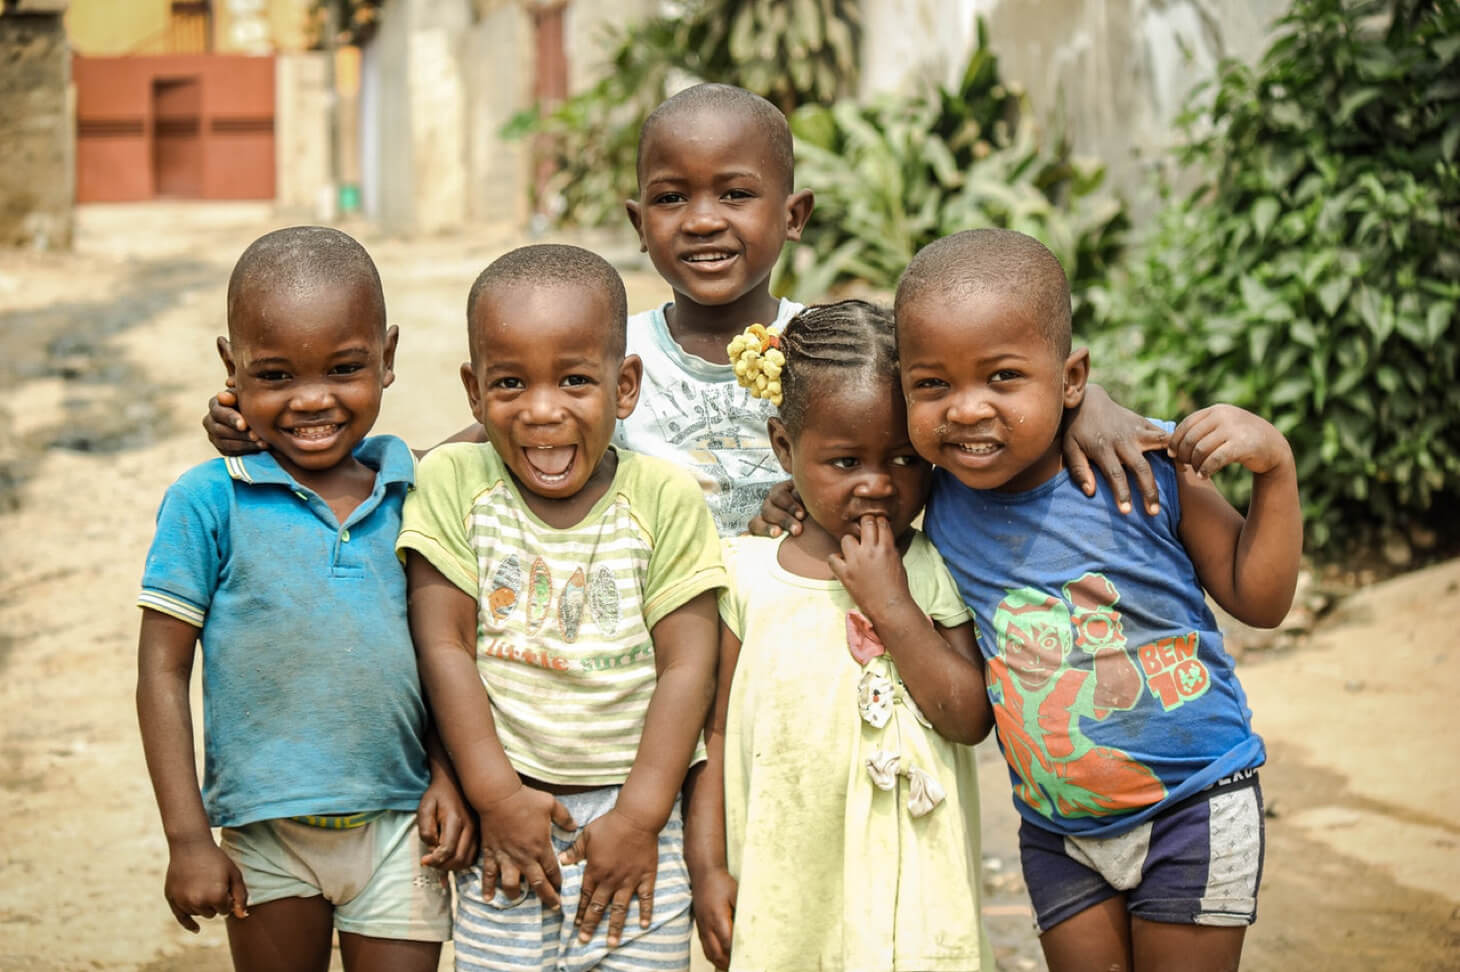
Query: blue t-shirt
{"points": [[311, 699], [1113, 696]]}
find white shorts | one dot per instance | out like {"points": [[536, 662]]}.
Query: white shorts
{"points": [[372, 874]]}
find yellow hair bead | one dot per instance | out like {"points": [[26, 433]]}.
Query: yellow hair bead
{"points": [[758, 361]]}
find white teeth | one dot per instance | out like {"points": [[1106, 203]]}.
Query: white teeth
{"points": [[979, 449], [707, 257], [314, 431]]}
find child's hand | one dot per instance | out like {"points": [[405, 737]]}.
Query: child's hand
{"points": [[201, 880], [1216, 437], [622, 860], [714, 904], [226, 429], [516, 845], [781, 512], [871, 568], [445, 824], [1115, 438]]}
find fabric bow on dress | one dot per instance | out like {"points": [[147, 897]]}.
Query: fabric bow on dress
{"points": [[876, 694]]}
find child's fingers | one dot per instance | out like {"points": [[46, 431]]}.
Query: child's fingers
{"points": [[562, 817], [576, 853], [646, 901], [500, 874], [591, 906], [237, 894], [545, 879], [618, 915], [427, 826], [183, 918], [1078, 465]]}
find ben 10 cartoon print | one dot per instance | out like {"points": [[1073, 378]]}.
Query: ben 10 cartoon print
{"points": [[1041, 699]]}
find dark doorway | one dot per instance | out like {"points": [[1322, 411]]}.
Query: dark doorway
{"points": [[177, 146]]}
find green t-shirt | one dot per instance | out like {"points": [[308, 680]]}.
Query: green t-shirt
{"points": [[564, 616]]}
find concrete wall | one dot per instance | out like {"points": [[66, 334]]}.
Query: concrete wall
{"points": [[37, 128], [1120, 68], [302, 186]]}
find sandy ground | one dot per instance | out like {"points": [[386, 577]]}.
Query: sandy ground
{"points": [[108, 358]]}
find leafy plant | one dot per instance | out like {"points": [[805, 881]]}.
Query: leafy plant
{"points": [[788, 51], [1313, 275], [898, 173]]}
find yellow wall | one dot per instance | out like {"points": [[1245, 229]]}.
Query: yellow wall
{"points": [[112, 27]]}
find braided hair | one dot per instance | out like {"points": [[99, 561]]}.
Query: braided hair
{"points": [[852, 339]]}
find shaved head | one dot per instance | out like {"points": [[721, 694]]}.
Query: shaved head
{"points": [[555, 265], [725, 100], [993, 261], [300, 261]]}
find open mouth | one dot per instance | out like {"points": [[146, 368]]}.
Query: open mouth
{"points": [[550, 464], [976, 449]]}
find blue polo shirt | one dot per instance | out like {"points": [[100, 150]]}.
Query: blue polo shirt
{"points": [[311, 699]]}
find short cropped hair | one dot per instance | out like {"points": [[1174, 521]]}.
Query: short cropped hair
{"points": [[993, 261], [725, 99], [297, 261], [552, 265]]}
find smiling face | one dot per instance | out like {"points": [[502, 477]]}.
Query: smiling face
{"points": [[852, 457], [985, 390], [715, 207], [310, 366], [548, 388]]}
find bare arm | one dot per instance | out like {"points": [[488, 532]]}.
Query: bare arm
{"points": [[621, 848], [514, 818], [201, 880], [1249, 566], [710, 881], [938, 664]]}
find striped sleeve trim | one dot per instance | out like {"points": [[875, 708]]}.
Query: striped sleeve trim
{"points": [[171, 606]]}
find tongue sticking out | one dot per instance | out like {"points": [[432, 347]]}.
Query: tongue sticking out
{"points": [[550, 462]]}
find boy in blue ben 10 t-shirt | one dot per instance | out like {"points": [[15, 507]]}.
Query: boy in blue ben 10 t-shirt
{"points": [[335, 811], [1127, 735]]}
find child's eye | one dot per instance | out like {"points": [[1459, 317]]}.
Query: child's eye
{"points": [[926, 384], [739, 194], [272, 375], [1005, 374], [346, 369], [666, 198], [508, 384], [845, 462], [577, 381]]}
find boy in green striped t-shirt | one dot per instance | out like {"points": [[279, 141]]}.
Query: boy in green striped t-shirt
{"points": [[562, 602]]}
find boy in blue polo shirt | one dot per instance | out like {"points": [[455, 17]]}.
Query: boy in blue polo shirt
{"points": [[336, 810]]}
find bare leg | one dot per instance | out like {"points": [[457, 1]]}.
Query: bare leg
{"points": [[361, 953], [1098, 939], [287, 935], [1159, 947]]}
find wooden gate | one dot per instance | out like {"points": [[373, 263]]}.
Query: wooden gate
{"points": [[190, 126]]}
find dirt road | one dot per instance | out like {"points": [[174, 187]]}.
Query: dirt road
{"points": [[107, 360]]}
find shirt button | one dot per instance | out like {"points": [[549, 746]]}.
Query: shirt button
{"points": [[345, 536]]}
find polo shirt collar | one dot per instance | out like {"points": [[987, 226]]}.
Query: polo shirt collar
{"points": [[391, 459]]}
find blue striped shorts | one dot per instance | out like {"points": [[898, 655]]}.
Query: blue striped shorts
{"points": [[503, 934]]}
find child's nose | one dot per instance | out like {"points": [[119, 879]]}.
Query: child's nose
{"points": [[969, 408], [875, 483], [704, 217], [312, 397], [542, 406]]}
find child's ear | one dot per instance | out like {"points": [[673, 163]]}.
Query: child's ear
{"points": [[1077, 372], [798, 212], [630, 377], [780, 441], [636, 217], [473, 393], [392, 337], [225, 352]]}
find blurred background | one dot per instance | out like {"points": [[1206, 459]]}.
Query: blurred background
{"points": [[1257, 201]]}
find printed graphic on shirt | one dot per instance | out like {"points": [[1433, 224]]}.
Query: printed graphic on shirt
{"points": [[707, 425], [1043, 694], [503, 595]]}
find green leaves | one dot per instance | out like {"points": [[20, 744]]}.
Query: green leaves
{"points": [[1314, 275], [894, 175]]}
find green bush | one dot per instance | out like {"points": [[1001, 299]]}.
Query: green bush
{"points": [[894, 175], [1314, 272]]}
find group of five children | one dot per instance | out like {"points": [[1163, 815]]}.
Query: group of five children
{"points": [[546, 658]]}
